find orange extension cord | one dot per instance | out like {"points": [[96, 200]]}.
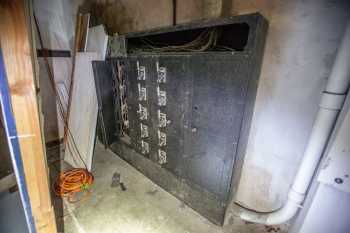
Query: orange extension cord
{"points": [[73, 181]]}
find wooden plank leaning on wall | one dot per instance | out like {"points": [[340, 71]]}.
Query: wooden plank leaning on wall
{"points": [[16, 51]]}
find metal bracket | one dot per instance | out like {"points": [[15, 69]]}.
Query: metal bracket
{"points": [[143, 113], [161, 97], [144, 130], [162, 120], [142, 92], [161, 138], [144, 147], [162, 159], [141, 71], [161, 72]]}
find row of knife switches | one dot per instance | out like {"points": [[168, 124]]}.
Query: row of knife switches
{"points": [[143, 112]]}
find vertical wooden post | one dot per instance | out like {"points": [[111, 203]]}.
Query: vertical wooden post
{"points": [[16, 50]]}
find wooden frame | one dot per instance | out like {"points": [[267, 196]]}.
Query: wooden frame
{"points": [[16, 50]]}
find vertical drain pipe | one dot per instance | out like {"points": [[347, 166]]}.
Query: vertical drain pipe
{"points": [[330, 105]]}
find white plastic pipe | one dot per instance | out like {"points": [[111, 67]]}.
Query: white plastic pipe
{"points": [[330, 105]]}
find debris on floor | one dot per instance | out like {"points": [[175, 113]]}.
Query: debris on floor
{"points": [[116, 181]]}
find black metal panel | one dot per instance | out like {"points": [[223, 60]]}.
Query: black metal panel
{"points": [[177, 87], [205, 101], [107, 119], [199, 199], [219, 87], [134, 105], [209, 102]]}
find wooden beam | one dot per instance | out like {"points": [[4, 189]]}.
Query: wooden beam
{"points": [[52, 53], [16, 50]]}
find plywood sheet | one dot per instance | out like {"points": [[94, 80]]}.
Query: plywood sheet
{"points": [[83, 113], [97, 41]]}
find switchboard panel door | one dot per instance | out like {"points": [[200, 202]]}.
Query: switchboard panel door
{"points": [[106, 91], [218, 92], [140, 74], [205, 98]]}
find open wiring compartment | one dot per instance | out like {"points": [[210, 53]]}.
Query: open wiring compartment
{"points": [[231, 37]]}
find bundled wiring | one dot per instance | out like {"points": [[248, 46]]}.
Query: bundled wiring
{"points": [[205, 41]]}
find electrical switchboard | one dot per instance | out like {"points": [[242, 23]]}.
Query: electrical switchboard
{"points": [[178, 102]]}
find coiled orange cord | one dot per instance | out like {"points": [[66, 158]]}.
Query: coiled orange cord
{"points": [[73, 181]]}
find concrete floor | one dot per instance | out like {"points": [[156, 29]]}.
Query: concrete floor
{"points": [[143, 208], [12, 218]]}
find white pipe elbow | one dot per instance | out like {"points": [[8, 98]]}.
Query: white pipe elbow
{"points": [[279, 216]]}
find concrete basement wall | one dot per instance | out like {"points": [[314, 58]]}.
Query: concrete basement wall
{"points": [[300, 49]]}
